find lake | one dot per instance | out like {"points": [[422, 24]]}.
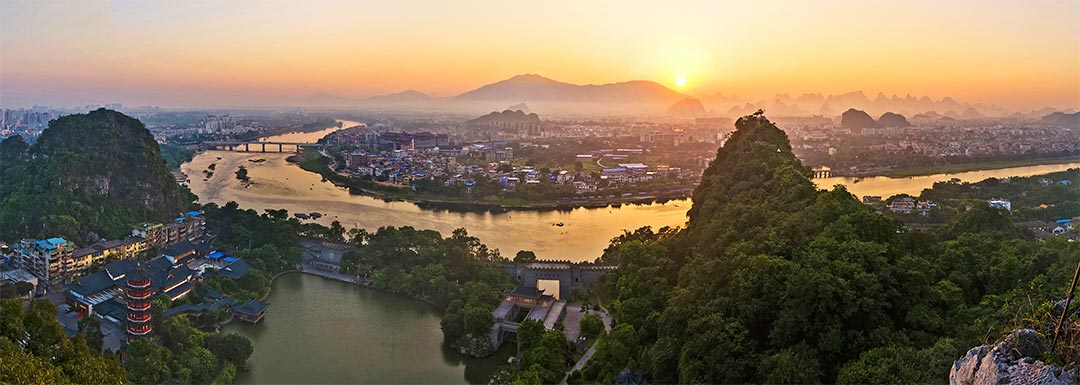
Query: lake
{"points": [[321, 331]]}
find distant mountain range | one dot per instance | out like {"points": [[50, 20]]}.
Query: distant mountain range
{"points": [[407, 96], [1062, 119], [832, 105], [641, 97]]}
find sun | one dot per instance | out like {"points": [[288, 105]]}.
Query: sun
{"points": [[680, 81]]}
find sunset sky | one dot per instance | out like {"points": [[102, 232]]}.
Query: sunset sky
{"points": [[253, 53]]}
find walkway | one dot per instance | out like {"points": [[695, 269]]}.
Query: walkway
{"points": [[580, 363], [329, 275]]}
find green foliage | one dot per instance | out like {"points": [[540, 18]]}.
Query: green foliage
{"points": [[186, 355], [615, 351], [456, 272], [774, 281], [524, 256], [35, 349], [231, 347], [100, 172], [242, 174], [90, 329], [529, 333], [176, 155], [591, 326], [14, 290], [545, 357]]}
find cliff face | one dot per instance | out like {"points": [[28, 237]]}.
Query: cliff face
{"points": [[1012, 361], [101, 171]]}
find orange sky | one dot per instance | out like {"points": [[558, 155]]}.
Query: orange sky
{"points": [[232, 53]]}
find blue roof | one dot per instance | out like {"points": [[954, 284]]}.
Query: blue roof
{"points": [[1064, 220], [57, 241], [193, 213], [231, 259], [215, 255]]}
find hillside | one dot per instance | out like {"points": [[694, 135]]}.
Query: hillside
{"points": [[1062, 119], [890, 119], [505, 118], [407, 96], [538, 90], [774, 281], [101, 171], [687, 107], [856, 120]]}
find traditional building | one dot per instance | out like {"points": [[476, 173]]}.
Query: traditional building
{"points": [[251, 311], [137, 298]]}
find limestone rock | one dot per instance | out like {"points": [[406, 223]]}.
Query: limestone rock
{"points": [[1012, 361]]}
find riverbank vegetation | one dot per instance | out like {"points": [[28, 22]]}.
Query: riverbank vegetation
{"points": [[988, 164], [176, 155], [457, 273], [775, 281], [182, 354]]}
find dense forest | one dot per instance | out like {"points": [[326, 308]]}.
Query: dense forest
{"points": [[774, 281], [96, 172], [771, 281]]}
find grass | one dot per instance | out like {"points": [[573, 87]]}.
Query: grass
{"points": [[957, 168]]}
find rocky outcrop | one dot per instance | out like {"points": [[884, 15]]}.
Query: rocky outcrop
{"points": [[856, 120], [890, 119], [1062, 119], [475, 346], [687, 107], [1012, 361]]}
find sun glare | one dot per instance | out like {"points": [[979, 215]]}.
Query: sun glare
{"points": [[680, 81]]}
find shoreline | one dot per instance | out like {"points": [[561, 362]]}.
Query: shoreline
{"points": [[910, 172], [453, 205]]}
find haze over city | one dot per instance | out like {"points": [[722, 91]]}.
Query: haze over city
{"points": [[1020, 55], [549, 192]]}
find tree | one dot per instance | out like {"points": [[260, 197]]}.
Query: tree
{"points": [[525, 256], [90, 328], [591, 326], [615, 351], [18, 366], [231, 347], [478, 320], [529, 334]]}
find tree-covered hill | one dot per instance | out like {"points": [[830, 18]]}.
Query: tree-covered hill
{"points": [[774, 281], [101, 171]]}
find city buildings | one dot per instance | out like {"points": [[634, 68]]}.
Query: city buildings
{"points": [[51, 259]]}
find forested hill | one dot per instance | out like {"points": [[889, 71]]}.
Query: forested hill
{"points": [[773, 281], [101, 171]]}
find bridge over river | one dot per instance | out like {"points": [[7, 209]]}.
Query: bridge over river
{"points": [[248, 145]]}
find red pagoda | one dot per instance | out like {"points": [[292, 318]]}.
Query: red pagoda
{"points": [[138, 303]]}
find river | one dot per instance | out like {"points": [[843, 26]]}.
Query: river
{"points": [[319, 331], [322, 331], [277, 184], [583, 235]]}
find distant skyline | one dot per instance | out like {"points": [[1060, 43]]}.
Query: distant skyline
{"points": [[1020, 55]]}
